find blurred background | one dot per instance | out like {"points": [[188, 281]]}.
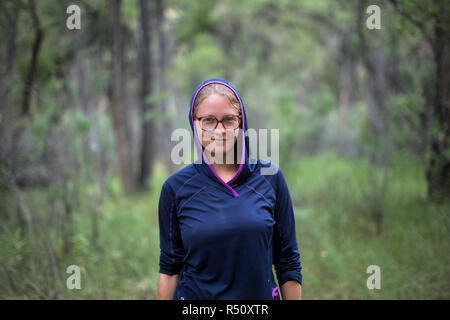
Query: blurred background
{"points": [[86, 117]]}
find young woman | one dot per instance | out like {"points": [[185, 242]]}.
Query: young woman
{"points": [[222, 221]]}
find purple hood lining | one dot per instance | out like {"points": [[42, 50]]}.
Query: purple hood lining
{"points": [[244, 142]]}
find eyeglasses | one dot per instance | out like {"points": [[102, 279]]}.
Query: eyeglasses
{"points": [[209, 123]]}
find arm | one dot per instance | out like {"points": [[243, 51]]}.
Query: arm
{"points": [[291, 290], [167, 285], [286, 256], [171, 245]]}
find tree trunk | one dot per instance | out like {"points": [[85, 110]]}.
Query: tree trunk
{"points": [[374, 62], [347, 89], [10, 54], [147, 143], [165, 107], [438, 118], [119, 113], [438, 172], [38, 37]]}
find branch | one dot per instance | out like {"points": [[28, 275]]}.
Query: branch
{"points": [[410, 18]]}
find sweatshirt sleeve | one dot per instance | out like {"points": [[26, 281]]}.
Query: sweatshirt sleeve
{"points": [[286, 256], [172, 251]]}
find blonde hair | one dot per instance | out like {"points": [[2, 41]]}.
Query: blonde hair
{"points": [[216, 88]]}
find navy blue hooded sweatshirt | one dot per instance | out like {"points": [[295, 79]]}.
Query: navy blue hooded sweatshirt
{"points": [[222, 238]]}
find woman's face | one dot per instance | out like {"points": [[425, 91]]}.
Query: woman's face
{"points": [[219, 141]]}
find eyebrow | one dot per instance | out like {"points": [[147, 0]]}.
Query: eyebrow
{"points": [[210, 115]]}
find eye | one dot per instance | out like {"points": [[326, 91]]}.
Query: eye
{"points": [[231, 121], [209, 120]]}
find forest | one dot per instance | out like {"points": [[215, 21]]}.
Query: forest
{"points": [[92, 90]]}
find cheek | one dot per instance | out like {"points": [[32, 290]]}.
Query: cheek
{"points": [[206, 141], [233, 141], [204, 136]]}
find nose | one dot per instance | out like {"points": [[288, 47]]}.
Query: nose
{"points": [[220, 132], [220, 127]]}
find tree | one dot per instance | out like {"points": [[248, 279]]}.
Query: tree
{"points": [[145, 58], [119, 112], [38, 37], [431, 18], [375, 63]]}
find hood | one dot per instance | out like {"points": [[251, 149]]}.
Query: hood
{"points": [[247, 165]]}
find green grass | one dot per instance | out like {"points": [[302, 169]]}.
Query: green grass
{"points": [[123, 265], [337, 203], [338, 239]]}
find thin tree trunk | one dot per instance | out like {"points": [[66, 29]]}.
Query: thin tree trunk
{"points": [[164, 105], [374, 62], [38, 37], [347, 88], [12, 18], [7, 130], [119, 114], [145, 57]]}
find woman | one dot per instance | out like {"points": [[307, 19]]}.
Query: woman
{"points": [[222, 222]]}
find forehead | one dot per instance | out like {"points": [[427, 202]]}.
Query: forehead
{"points": [[216, 104]]}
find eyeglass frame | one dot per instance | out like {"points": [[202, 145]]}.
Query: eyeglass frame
{"points": [[219, 121]]}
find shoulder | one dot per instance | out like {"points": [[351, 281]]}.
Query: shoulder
{"points": [[176, 181], [270, 172]]}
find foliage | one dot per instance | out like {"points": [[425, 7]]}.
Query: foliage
{"points": [[62, 199]]}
